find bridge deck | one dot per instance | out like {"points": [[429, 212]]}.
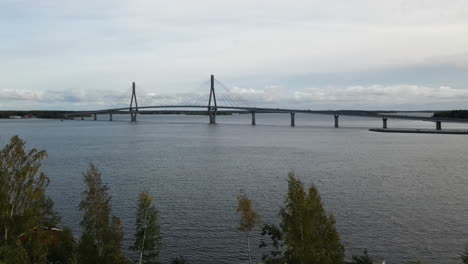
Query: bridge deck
{"points": [[369, 114]]}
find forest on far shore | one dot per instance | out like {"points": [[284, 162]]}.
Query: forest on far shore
{"points": [[462, 114]]}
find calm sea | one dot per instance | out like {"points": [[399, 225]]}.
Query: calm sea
{"points": [[400, 196]]}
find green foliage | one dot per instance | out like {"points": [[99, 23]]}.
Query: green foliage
{"points": [[363, 259], [249, 218], [306, 234], [464, 257], [147, 236], [26, 214], [87, 250], [462, 114], [23, 204], [95, 204], [101, 241], [309, 234], [50, 217], [36, 243], [180, 260], [49, 245], [63, 248], [13, 254], [276, 247]]}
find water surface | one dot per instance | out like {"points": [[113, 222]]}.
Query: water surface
{"points": [[401, 196]]}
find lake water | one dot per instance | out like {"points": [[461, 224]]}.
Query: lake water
{"points": [[401, 196]]}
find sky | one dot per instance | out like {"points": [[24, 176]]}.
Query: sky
{"points": [[334, 54]]}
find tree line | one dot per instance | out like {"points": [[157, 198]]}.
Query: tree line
{"points": [[35, 113], [29, 232], [462, 114]]}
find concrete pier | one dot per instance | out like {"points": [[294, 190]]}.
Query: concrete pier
{"points": [[253, 118], [384, 121], [95, 117], [110, 116], [82, 117], [438, 125], [337, 121], [212, 118], [421, 131], [293, 122]]}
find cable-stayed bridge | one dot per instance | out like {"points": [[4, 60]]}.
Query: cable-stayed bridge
{"points": [[221, 98]]}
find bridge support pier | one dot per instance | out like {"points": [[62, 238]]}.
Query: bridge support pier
{"points": [[253, 118], [293, 121], [438, 125], [95, 117], [384, 121], [212, 118], [337, 125], [110, 116], [82, 117]]}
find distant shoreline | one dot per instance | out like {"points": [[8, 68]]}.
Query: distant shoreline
{"points": [[461, 114], [59, 114], [44, 114]]}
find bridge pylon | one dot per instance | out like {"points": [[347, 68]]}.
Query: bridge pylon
{"points": [[133, 110], [212, 108]]}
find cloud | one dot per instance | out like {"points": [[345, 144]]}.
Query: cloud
{"points": [[392, 97], [387, 95], [21, 95], [27, 99], [169, 46]]}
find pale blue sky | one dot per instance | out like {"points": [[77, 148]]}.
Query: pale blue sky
{"points": [[332, 54]]}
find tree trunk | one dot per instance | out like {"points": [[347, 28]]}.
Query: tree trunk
{"points": [[302, 239], [248, 246], [143, 241]]}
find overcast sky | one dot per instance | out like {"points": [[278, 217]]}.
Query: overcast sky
{"points": [[334, 54]]}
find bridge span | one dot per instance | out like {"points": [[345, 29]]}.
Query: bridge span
{"points": [[212, 109]]}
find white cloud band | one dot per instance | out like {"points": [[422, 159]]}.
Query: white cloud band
{"points": [[390, 96]]}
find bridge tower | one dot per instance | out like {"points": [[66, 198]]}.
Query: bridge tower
{"points": [[212, 108], [133, 110]]}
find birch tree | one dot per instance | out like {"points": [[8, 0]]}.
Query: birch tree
{"points": [[147, 235], [23, 204], [276, 246], [309, 233], [248, 218], [363, 259], [101, 241]]}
